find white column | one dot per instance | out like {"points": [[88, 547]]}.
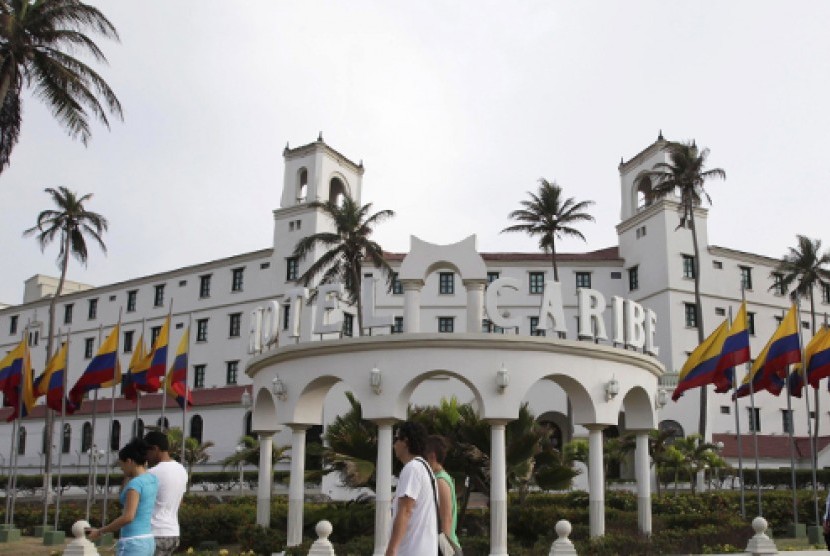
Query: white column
{"points": [[266, 475], [498, 490], [296, 486], [475, 304], [383, 486], [412, 305], [643, 475], [596, 481]]}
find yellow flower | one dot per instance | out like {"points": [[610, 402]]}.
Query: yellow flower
{"points": [[190, 550], [223, 552]]}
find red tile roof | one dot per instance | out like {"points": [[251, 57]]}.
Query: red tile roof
{"points": [[769, 446], [230, 395]]}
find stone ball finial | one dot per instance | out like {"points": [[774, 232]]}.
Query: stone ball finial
{"points": [[759, 525], [563, 528], [323, 529], [79, 529]]}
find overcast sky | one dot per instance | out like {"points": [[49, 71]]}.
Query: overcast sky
{"points": [[456, 109]]}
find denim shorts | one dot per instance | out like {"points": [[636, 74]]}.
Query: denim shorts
{"points": [[143, 545]]}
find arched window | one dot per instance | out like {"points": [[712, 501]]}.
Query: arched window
{"points": [[138, 428], [115, 435], [163, 424], [86, 437], [336, 191], [302, 185], [248, 425], [66, 442], [196, 425], [21, 441], [673, 428], [645, 194]]}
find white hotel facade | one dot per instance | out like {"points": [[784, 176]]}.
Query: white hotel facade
{"points": [[652, 264]]}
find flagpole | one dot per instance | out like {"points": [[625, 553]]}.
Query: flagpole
{"points": [[108, 444], [792, 455], [17, 422], [162, 426], [807, 405], [137, 391], [751, 420], [63, 424], [90, 496], [186, 397], [10, 486], [738, 432]]}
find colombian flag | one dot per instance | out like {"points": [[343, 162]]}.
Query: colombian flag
{"points": [[128, 386], [17, 380], [735, 351], [150, 373], [50, 383], [817, 357], [701, 367], [101, 370], [176, 382]]}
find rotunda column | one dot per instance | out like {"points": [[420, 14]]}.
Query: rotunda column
{"points": [[643, 476], [383, 486], [264, 479], [596, 481], [412, 305], [498, 488], [296, 485], [475, 303]]}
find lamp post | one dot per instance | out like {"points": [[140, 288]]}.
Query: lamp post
{"points": [[239, 449]]}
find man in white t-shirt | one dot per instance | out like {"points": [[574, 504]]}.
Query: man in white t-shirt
{"points": [[172, 478], [414, 516]]}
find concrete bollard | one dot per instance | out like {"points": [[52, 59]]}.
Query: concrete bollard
{"points": [[80, 546], [760, 543], [322, 546], [563, 545]]}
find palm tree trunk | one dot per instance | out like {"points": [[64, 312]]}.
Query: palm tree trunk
{"points": [[815, 390], [689, 206], [553, 259], [5, 86], [356, 280], [47, 441]]}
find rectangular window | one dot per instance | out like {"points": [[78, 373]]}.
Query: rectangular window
{"points": [[13, 324], [199, 376], [754, 419], [633, 278], [691, 315], [718, 265], [234, 324], [397, 287], [725, 410], [750, 323], [536, 282], [204, 286], [34, 336], [132, 297], [778, 319], [201, 330], [787, 420], [92, 311], [67, 313], [746, 277], [348, 324], [720, 311], [89, 347], [688, 266], [583, 279], [492, 277], [397, 328], [446, 283], [446, 324], [292, 269], [231, 370], [825, 293], [154, 334], [263, 266], [128, 341], [534, 327], [616, 275], [158, 297], [778, 283], [237, 278]]}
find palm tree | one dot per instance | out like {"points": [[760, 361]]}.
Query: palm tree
{"points": [[550, 217], [687, 173], [36, 37], [72, 224], [248, 453], [698, 456], [805, 267], [347, 247]]}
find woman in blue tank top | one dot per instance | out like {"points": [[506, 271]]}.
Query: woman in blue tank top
{"points": [[137, 500]]}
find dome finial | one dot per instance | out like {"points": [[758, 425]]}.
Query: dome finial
{"points": [[660, 135], [320, 137]]}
